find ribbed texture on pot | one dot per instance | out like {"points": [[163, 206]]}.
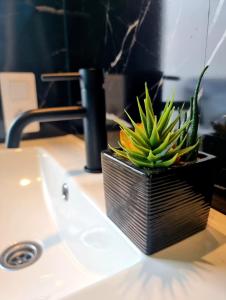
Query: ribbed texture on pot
{"points": [[160, 209]]}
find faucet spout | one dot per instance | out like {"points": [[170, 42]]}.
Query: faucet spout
{"points": [[52, 114], [92, 112]]}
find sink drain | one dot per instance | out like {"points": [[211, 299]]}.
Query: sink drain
{"points": [[20, 255]]}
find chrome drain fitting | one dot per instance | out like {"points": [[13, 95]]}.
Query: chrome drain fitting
{"points": [[20, 255]]}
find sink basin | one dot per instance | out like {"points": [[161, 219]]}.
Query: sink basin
{"points": [[43, 204]]}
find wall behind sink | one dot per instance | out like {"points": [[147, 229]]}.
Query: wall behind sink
{"points": [[170, 37], [32, 40], [176, 38], [136, 38]]}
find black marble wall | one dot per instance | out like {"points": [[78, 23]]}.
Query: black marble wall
{"points": [[173, 37], [166, 42], [122, 37], [119, 36], [32, 40]]}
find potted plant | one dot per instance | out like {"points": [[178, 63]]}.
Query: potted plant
{"points": [[158, 186]]}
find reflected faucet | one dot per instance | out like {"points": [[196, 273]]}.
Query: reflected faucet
{"points": [[92, 112]]}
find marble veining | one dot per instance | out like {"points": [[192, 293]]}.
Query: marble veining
{"points": [[56, 11], [131, 28], [217, 48], [143, 12], [49, 9], [134, 29], [217, 13]]}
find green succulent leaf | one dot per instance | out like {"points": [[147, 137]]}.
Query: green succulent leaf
{"points": [[163, 145], [143, 149], [191, 155], [139, 131], [141, 163], [132, 134], [172, 151], [165, 117], [134, 154], [184, 133], [149, 99], [170, 127], [150, 118], [164, 109], [196, 93], [194, 122], [155, 139], [178, 132], [191, 107], [167, 163], [118, 152], [152, 157], [187, 149], [142, 116], [180, 115], [194, 114]]}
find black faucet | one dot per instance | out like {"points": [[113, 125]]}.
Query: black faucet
{"points": [[92, 112]]}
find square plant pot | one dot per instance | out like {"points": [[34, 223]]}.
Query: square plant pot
{"points": [[158, 208]]}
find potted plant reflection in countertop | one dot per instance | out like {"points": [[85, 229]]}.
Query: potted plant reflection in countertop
{"points": [[158, 186]]}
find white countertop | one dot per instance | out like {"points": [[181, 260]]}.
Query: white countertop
{"points": [[193, 269]]}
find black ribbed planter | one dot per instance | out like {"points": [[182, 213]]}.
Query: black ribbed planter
{"points": [[161, 208]]}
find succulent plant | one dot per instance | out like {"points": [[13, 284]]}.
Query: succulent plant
{"points": [[160, 142]]}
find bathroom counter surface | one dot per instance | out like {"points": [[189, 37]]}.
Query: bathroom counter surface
{"points": [[193, 269]]}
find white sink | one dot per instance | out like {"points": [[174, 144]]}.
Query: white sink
{"points": [[80, 246]]}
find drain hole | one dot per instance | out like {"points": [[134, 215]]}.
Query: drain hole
{"points": [[20, 255]]}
